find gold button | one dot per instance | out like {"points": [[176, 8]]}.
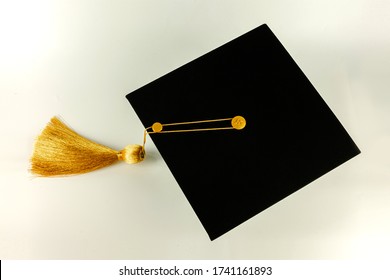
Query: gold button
{"points": [[157, 127], [238, 122]]}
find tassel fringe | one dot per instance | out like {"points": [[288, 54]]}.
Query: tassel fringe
{"points": [[61, 151]]}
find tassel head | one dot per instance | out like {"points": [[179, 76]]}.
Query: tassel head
{"points": [[132, 154]]}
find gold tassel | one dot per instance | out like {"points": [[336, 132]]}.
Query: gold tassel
{"points": [[60, 151]]}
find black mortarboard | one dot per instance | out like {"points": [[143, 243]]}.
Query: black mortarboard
{"points": [[291, 136]]}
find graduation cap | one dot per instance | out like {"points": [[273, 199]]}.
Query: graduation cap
{"points": [[240, 128]]}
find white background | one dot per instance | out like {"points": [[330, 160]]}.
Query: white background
{"points": [[78, 59]]}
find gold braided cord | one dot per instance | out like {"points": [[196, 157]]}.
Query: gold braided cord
{"points": [[237, 122], [191, 130], [203, 121]]}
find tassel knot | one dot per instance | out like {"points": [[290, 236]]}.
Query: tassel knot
{"points": [[132, 154]]}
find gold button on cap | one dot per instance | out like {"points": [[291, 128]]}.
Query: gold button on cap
{"points": [[238, 122], [157, 127]]}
